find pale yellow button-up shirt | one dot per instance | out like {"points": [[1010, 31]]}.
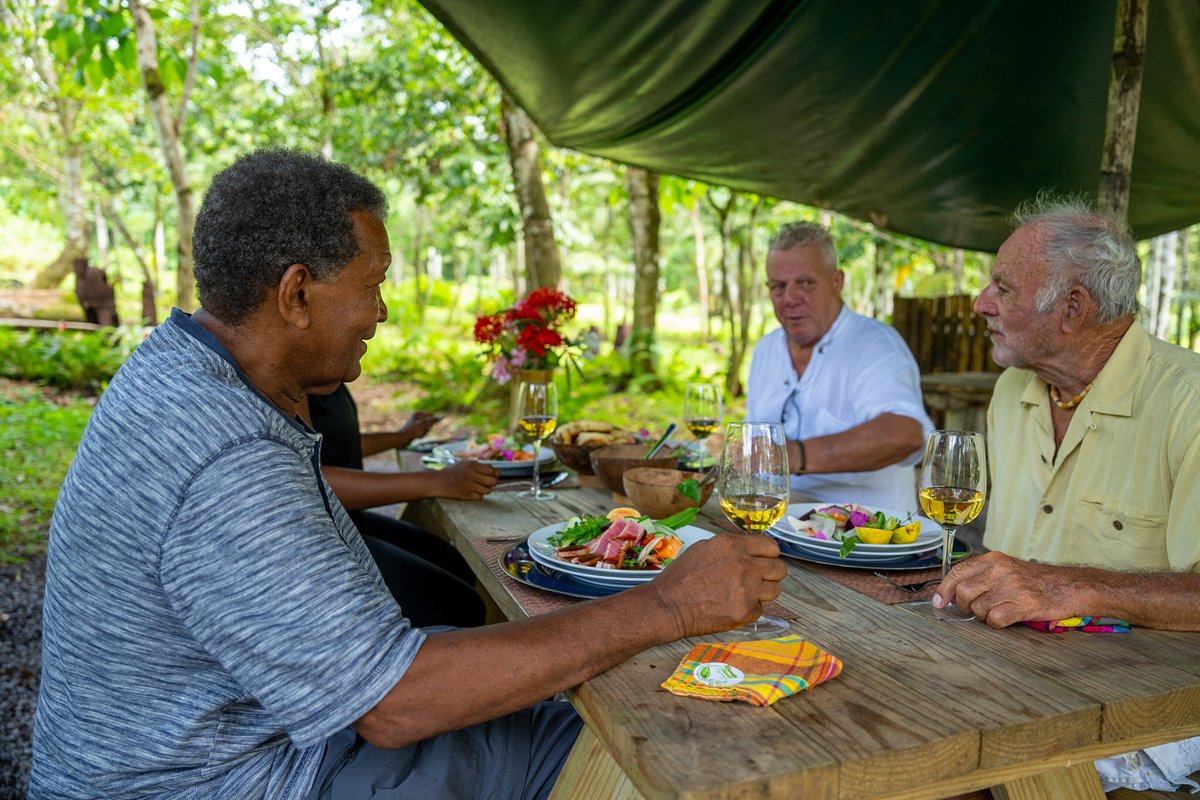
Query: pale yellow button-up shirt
{"points": [[1123, 491]]}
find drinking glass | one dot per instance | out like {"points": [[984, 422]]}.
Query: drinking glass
{"points": [[754, 484], [702, 414], [952, 489], [537, 416]]}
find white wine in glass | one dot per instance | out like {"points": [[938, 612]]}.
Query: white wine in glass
{"points": [[537, 417], [702, 414], [754, 486], [953, 487]]}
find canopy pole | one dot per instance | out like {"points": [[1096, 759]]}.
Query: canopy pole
{"points": [[1124, 94]]}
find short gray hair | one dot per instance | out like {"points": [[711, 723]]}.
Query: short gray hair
{"points": [[1087, 247], [798, 234]]}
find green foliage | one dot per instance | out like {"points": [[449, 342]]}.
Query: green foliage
{"points": [[38, 437], [75, 360]]}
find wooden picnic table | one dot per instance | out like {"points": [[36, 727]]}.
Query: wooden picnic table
{"points": [[922, 709]]}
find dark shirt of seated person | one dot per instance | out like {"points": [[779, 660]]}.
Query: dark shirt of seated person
{"points": [[428, 577], [218, 628]]}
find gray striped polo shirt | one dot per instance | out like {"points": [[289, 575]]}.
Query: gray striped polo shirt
{"points": [[211, 613]]}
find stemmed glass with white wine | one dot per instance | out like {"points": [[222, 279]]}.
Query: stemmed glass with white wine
{"points": [[754, 486], [952, 490], [702, 414], [537, 416]]}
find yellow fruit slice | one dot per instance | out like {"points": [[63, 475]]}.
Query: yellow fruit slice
{"points": [[873, 535], [622, 513], [906, 534]]}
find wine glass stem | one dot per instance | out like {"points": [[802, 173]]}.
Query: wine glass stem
{"points": [[537, 463], [947, 547]]}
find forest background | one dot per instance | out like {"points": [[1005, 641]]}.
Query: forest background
{"points": [[116, 114]]}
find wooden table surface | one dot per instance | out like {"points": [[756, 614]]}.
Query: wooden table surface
{"points": [[922, 709]]}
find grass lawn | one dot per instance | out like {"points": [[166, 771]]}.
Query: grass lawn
{"points": [[39, 431]]}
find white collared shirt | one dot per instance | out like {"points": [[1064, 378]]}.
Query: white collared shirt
{"points": [[860, 368]]}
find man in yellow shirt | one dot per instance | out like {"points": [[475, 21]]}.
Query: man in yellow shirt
{"points": [[1094, 437]]}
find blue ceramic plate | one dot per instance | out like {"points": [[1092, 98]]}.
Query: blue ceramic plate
{"points": [[519, 565], [934, 559]]}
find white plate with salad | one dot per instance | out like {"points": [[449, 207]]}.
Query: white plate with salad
{"points": [[833, 528], [506, 456], [632, 551]]}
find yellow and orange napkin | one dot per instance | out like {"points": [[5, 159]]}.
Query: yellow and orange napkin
{"points": [[758, 672]]}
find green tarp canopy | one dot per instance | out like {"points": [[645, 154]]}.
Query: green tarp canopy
{"points": [[929, 118]]}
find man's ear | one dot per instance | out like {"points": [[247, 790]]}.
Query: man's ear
{"points": [[1077, 308], [839, 280], [292, 295]]}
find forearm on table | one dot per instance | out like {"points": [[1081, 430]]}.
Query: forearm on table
{"points": [[874, 444], [1164, 600], [464, 677], [380, 441], [357, 489]]}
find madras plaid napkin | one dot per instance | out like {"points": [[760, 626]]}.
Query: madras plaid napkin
{"points": [[1085, 624], [758, 672]]}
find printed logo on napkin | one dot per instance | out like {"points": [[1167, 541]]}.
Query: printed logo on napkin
{"points": [[715, 673]]}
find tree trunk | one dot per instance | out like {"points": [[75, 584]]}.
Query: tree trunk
{"points": [[1185, 303], [1166, 282], [701, 274], [70, 191], [644, 220], [543, 266], [168, 139], [1124, 95], [1152, 282], [724, 218]]}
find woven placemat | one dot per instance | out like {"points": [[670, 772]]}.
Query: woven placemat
{"points": [[536, 601]]}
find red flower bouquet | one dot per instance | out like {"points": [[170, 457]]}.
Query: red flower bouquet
{"points": [[526, 336]]}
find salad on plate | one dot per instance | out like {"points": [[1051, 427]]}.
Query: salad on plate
{"points": [[622, 540], [851, 523]]}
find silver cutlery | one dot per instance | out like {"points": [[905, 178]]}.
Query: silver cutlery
{"points": [[547, 480], [912, 588]]}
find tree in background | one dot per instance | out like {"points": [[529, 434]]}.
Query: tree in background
{"points": [[644, 221], [543, 265]]}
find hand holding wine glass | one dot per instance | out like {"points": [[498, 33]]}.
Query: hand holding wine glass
{"points": [[702, 414], [952, 491], [754, 486], [537, 416]]}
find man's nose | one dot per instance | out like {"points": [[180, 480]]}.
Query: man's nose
{"points": [[983, 303], [383, 315]]}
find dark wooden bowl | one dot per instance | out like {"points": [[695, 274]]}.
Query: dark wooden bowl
{"points": [[610, 463]]}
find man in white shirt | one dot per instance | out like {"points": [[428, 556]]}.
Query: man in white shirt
{"points": [[845, 386]]}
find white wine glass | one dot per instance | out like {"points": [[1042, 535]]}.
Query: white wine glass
{"points": [[537, 417], [952, 490], [702, 414], [754, 485]]}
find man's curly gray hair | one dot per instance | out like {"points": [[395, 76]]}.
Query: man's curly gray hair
{"points": [[271, 209]]}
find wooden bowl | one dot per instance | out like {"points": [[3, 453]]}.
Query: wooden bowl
{"points": [[611, 462], [573, 456], [652, 490]]}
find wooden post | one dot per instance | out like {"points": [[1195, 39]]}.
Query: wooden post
{"points": [[1124, 94]]}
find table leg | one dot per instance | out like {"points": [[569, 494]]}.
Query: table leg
{"points": [[591, 774], [1079, 781]]}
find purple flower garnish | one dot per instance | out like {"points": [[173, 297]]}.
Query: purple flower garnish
{"points": [[858, 519]]}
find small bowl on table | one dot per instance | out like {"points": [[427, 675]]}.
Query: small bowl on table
{"points": [[652, 490], [573, 456], [610, 463]]}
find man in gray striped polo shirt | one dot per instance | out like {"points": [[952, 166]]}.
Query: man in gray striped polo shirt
{"points": [[214, 625]]}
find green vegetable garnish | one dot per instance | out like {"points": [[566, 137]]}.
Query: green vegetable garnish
{"points": [[581, 531], [678, 520], [690, 489], [847, 545]]}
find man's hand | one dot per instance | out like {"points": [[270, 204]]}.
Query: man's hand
{"points": [[720, 583], [465, 480], [1001, 590], [418, 425]]}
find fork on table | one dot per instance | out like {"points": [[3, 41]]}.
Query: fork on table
{"points": [[913, 588]]}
